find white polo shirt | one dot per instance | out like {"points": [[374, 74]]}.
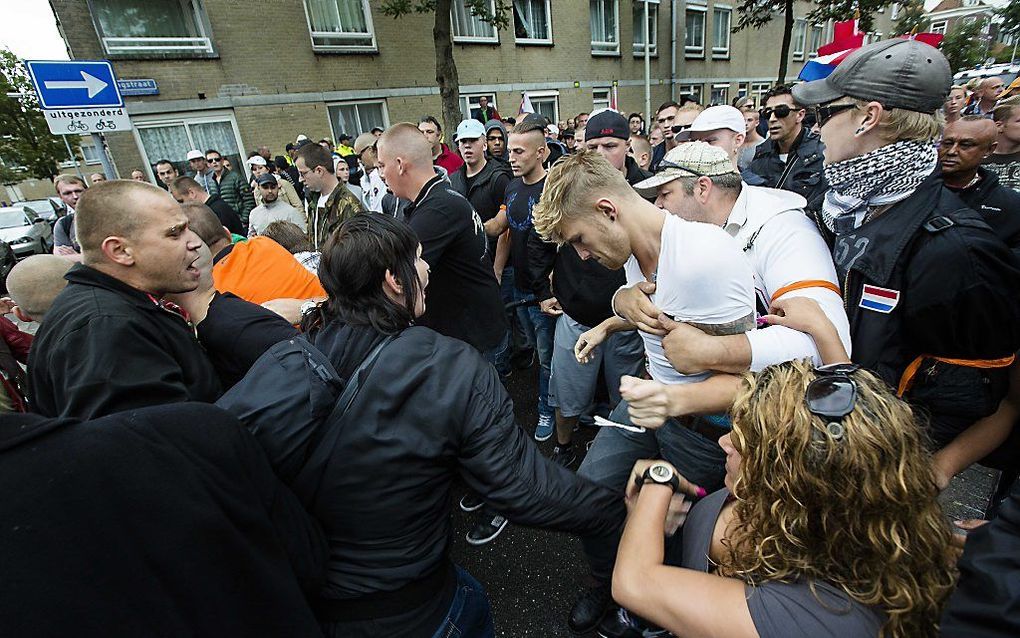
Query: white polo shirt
{"points": [[701, 277], [784, 248]]}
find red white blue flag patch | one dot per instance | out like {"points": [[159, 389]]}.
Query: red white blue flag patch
{"points": [[879, 299]]}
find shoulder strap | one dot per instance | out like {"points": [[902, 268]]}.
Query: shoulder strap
{"points": [[306, 483]]}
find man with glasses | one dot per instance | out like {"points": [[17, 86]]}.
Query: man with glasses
{"points": [[791, 157], [329, 201], [201, 172], [372, 183], [933, 296], [272, 208], [231, 186]]}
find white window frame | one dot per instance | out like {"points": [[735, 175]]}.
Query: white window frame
{"points": [[725, 87], [938, 27], [696, 91], [469, 101], [87, 143], [548, 24], [127, 46], [467, 39], [811, 29], [185, 119], [599, 102], [366, 10], [692, 51], [799, 38], [380, 101], [718, 52], [606, 50], [758, 91], [546, 96], [653, 30]]}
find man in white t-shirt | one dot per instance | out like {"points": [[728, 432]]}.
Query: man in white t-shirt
{"points": [[701, 277]]}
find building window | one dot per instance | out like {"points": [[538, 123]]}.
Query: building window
{"points": [[355, 118], [531, 22], [469, 103], [89, 151], [131, 27], [799, 39], [721, 30], [692, 91], [758, 91], [938, 27], [720, 94], [600, 99], [467, 27], [171, 139], [340, 25], [546, 103], [653, 27], [743, 89], [605, 27], [816, 39], [694, 33]]}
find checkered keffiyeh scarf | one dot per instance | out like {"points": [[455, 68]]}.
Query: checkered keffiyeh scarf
{"points": [[884, 176]]}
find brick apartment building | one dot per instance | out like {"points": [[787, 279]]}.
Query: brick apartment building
{"points": [[234, 74]]}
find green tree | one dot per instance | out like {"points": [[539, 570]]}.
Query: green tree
{"points": [[756, 14], [912, 19], [447, 77], [25, 140], [840, 10], [1010, 15], [965, 46]]}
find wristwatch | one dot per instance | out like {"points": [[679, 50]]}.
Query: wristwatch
{"points": [[662, 474], [308, 306]]}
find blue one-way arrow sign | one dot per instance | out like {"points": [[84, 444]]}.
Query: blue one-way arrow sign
{"points": [[63, 84]]}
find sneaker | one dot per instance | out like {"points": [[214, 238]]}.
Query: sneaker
{"points": [[623, 625], [564, 455], [487, 531], [544, 429], [470, 502], [589, 609]]}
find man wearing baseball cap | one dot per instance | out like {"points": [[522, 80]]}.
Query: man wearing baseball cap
{"points": [[272, 208], [933, 295], [721, 126], [372, 182], [259, 166], [204, 175]]}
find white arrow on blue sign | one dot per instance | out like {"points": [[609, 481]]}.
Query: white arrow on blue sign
{"points": [[63, 84]]}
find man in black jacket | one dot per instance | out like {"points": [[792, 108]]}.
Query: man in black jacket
{"points": [[932, 295], [791, 157], [966, 143], [166, 521], [110, 343], [464, 299], [186, 189]]}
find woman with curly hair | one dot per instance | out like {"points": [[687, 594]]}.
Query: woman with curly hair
{"points": [[828, 526]]}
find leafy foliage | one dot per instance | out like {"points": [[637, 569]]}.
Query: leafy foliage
{"points": [[756, 14], [1010, 15], [912, 19], [27, 147], [965, 45]]}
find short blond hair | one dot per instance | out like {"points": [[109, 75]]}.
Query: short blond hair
{"points": [[571, 187], [898, 125]]}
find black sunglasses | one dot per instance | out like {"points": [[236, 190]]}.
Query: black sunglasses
{"points": [[826, 112], [781, 111], [832, 395], [213, 159], [665, 164], [679, 127]]}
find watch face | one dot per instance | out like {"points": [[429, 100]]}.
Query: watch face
{"points": [[661, 472]]}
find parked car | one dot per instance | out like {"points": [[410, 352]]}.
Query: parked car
{"points": [[7, 261], [25, 231], [44, 208]]}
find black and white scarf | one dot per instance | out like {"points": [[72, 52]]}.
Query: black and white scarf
{"points": [[859, 185]]}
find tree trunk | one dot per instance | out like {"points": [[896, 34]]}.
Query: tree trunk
{"points": [[784, 53], [446, 69]]}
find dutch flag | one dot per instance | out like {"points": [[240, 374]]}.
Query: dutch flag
{"points": [[879, 299]]}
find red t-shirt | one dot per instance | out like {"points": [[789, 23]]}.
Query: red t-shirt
{"points": [[448, 160]]}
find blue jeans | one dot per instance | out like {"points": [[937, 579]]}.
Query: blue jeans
{"points": [[470, 614], [499, 356], [540, 329]]}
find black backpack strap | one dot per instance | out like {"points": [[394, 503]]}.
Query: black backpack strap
{"points": [[306, 484]]}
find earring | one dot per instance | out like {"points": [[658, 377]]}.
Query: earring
{"points": [[860, 130]]}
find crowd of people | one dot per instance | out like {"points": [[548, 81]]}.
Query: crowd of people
{"points": [[252, 404]]}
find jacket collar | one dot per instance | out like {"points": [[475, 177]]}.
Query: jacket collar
{"points": [[634, 173], [88, 276], [987, 182], [426, 189]]}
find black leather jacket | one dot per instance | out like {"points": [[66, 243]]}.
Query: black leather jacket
{"points": [[802, 172], [956, 292]]}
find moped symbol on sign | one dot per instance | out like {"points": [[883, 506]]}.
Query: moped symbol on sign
{"points": [[63, 84]]}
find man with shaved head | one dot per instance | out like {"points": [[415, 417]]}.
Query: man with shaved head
{"points": [[463, 295], [34, 283], [985, 97], [966, 143], [110, 342]]}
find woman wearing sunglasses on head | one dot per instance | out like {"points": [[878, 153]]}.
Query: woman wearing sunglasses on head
{"points": [[828, 526]]}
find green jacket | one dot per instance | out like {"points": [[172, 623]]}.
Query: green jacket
{"points": [[235, 191], [340, 205]]}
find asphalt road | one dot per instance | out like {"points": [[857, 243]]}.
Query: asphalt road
{"points": [[533, 576]]}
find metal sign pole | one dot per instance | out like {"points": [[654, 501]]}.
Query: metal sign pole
{"points": [[104, 157], [74, 159]]}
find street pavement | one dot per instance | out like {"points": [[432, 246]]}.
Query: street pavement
{"points": [[533, 576]]}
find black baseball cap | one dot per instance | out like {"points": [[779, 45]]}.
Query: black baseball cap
{"points": [[898, 73], [607, 124]]}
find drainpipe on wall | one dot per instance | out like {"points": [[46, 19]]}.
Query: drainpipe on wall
{"points": [[672, 54]]}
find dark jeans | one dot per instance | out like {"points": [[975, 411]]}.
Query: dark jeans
{"points": [[470, 614], [613, 454], [541, 328]]}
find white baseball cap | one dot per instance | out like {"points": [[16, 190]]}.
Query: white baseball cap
{"points": [[470, 130], [553, 129], [714, 118], [195, 154], [256, 160]]}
